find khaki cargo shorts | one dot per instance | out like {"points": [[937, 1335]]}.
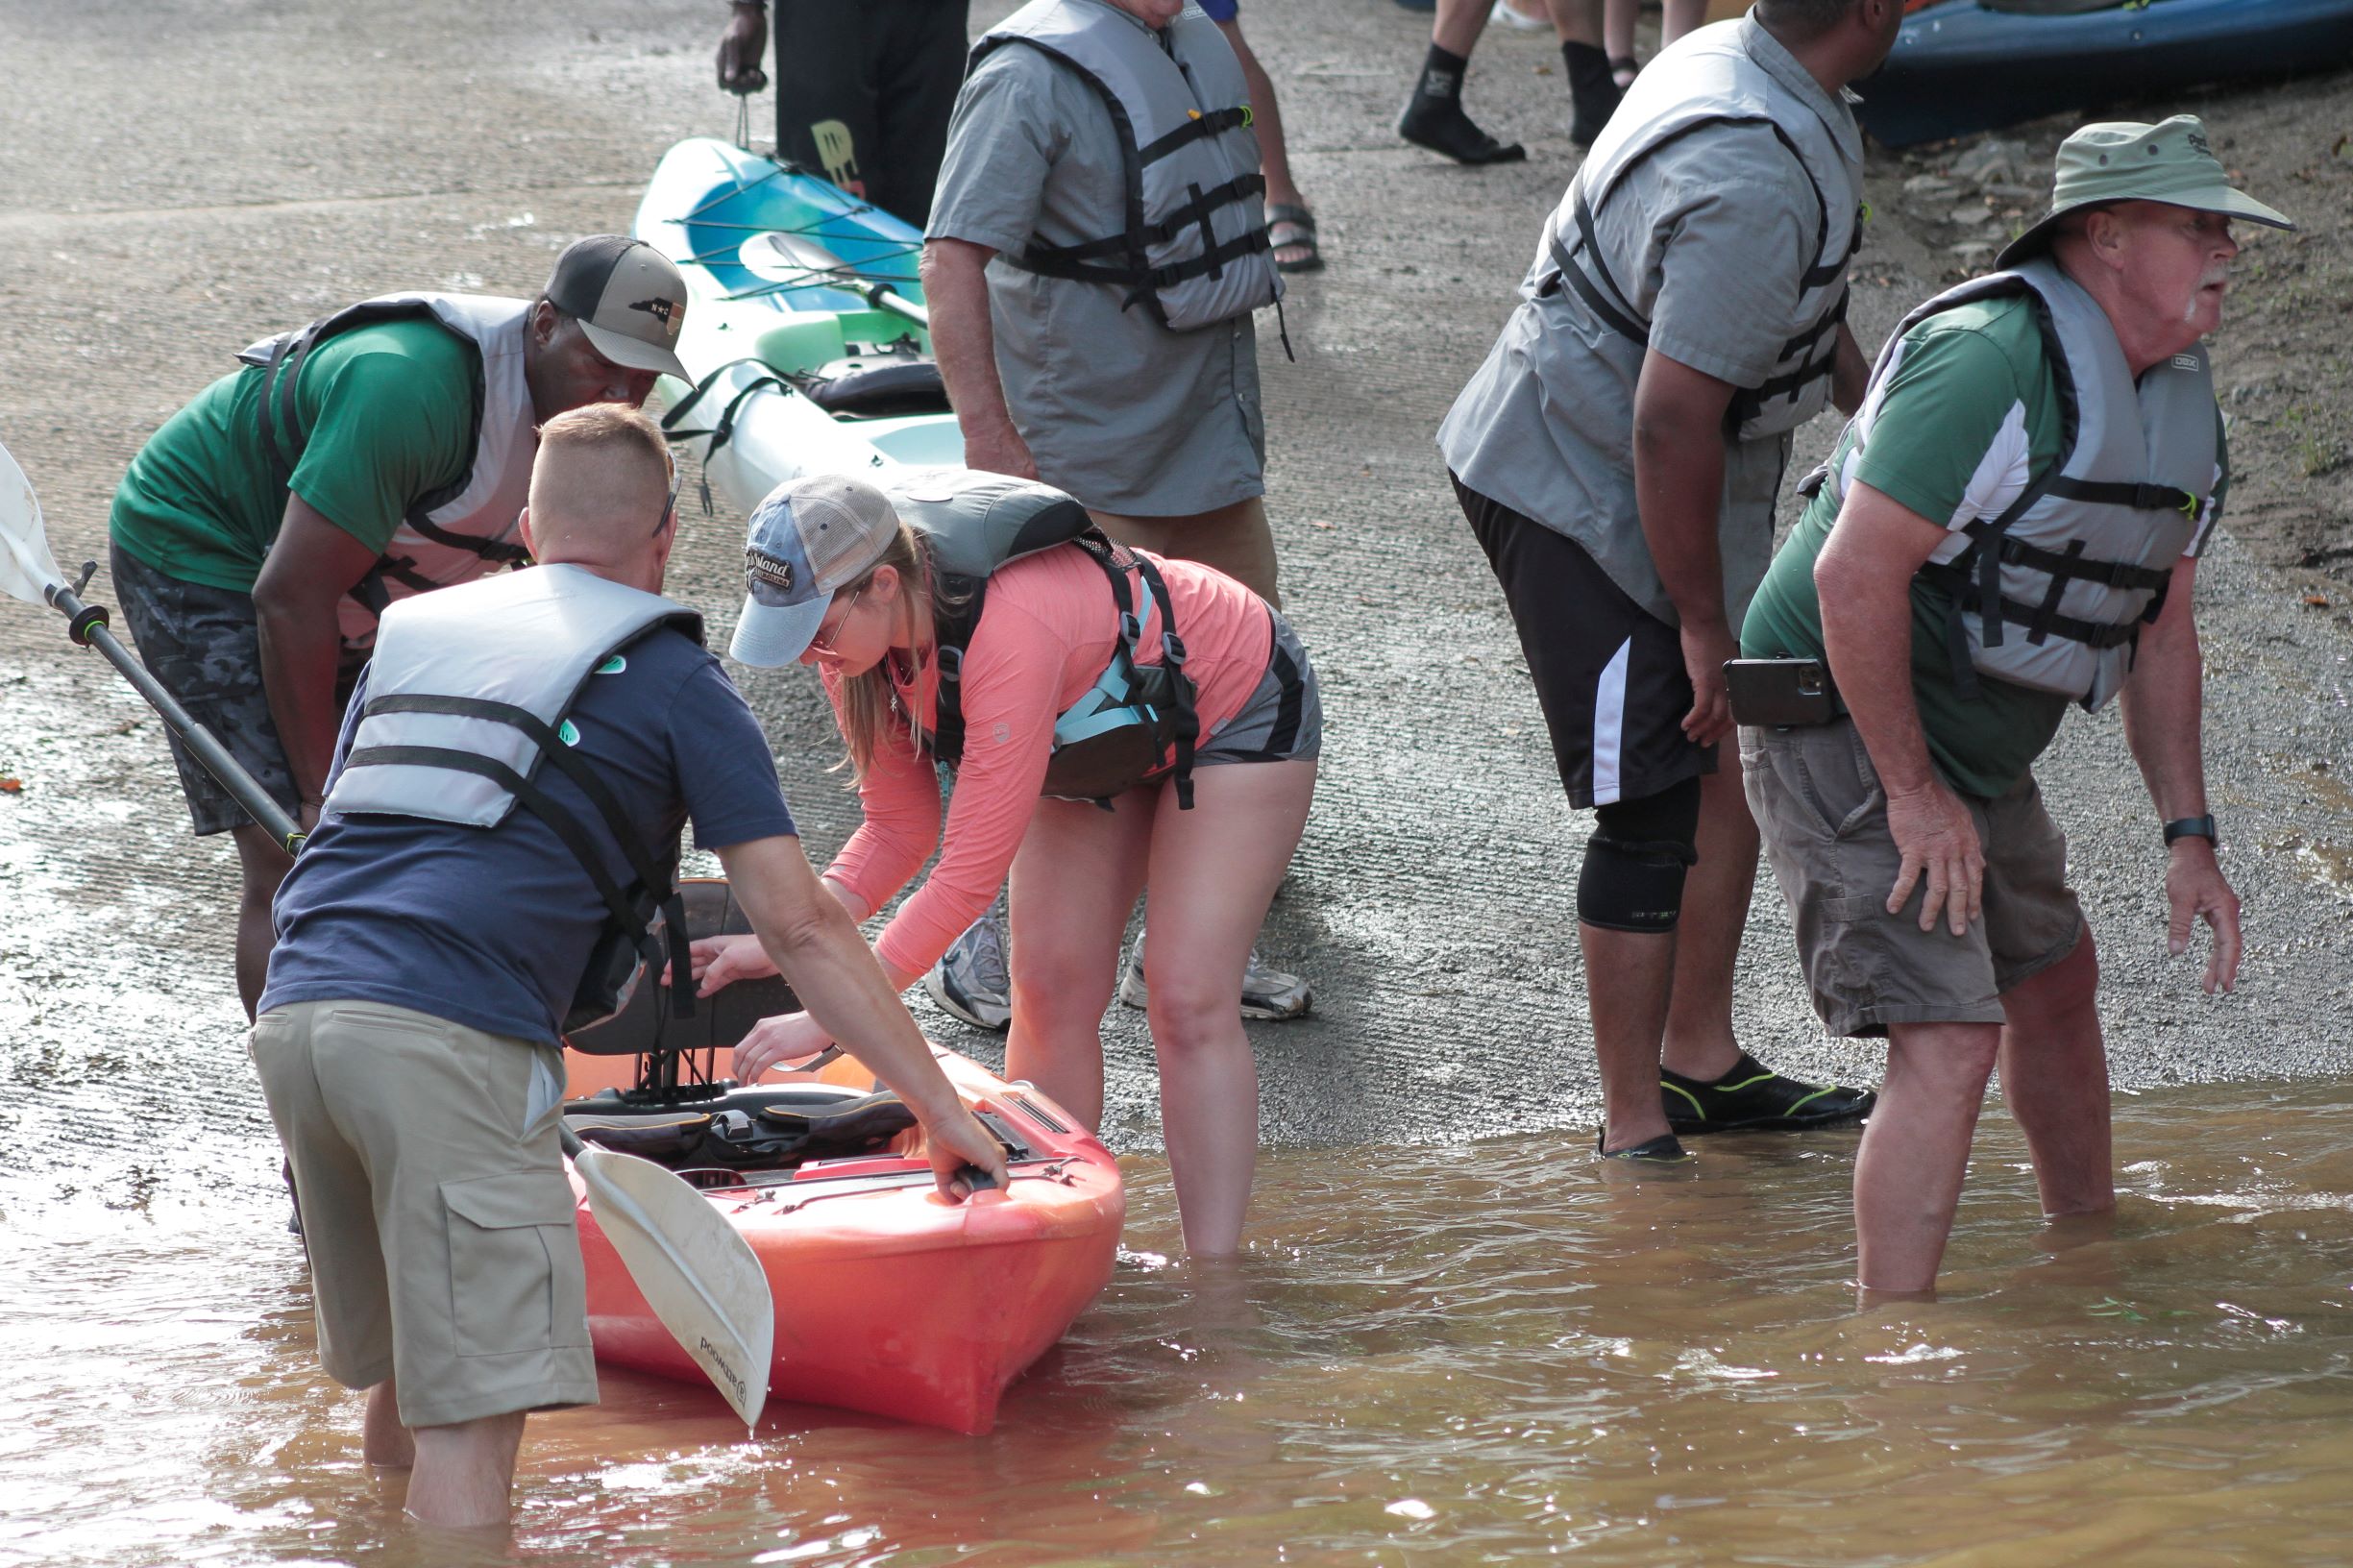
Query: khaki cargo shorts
{"points": [[1818, 802], [434, 1207]]}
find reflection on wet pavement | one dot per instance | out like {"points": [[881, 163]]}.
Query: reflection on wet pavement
{"points": [[1458, 1355]]}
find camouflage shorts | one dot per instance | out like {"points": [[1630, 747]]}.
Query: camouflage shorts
{"points": [[205, 648]]}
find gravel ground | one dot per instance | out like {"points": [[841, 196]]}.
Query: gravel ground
{"points": [[180, 177]]}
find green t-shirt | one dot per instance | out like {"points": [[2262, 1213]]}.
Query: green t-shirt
{"points": [[1965, 418], [390, 412]]}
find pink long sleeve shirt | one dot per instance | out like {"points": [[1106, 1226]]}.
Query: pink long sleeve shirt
{"points": [[1049, 631]]}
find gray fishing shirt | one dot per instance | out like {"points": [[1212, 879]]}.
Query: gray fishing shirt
{"points": [[1709, 235], [1122, 413]]}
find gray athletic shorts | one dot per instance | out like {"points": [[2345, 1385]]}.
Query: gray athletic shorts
{"points": [[203, 647], [1284, 720], [1818, 802]]}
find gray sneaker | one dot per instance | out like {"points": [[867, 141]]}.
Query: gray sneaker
{"points": [[1266, 993], [971, 981]]}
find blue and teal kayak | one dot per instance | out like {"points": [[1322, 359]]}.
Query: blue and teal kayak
{"points": [[805, 325], [1968, 66]]}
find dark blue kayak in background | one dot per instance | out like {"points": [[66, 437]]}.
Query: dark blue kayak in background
{"points": [[1964, 67]]}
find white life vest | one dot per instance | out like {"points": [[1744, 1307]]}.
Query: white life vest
{"points": [[2053, 593], [467, 696], [1192, 245], [457, 533], [1710, 80]]}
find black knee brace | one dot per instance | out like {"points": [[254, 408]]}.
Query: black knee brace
{"points": [[1632, 878]]}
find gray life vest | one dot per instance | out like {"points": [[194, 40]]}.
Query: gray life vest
{"points": [[466, 696], [1124, 727], [453, 534], [1191, 246], [2054, 592], [1711, 80]]}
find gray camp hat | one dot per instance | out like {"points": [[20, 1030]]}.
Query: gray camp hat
{"points": [[807, 538], [2124, 161], [628, 297]]}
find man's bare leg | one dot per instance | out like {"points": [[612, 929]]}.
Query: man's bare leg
{"points": [[465, 1473], [2054, 1077], [262, 865], [1628, 976], [384, 1442], [1907, 1177], [1699, 1041]]}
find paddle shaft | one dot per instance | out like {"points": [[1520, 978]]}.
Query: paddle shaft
{"points": [[884, 298], [88, 628]]}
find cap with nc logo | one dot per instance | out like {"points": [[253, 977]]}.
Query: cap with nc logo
{"points": [[628, 297], [2123, 160]]}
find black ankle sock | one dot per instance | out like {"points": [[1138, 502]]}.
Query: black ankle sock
{"points": [[1593, 93], [1433, 116], [1442, 75]]}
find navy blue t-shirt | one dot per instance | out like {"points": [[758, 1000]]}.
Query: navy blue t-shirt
{"points": [[492, 927]]}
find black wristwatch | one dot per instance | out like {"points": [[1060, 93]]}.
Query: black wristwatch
{"points": [[2193, 827]]}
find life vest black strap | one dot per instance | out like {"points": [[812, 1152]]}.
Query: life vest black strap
{"points": [[657, 886], [1187, 718], [1199, 128], [1621, 322], [2142, 497], [2042, 619], [499, 551], [2070, 565], [372, 591]]}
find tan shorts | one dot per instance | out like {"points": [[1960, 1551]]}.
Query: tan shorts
{"points": [[1818, 802], [434, 1207]]}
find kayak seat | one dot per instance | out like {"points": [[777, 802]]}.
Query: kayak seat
{"points": [[746, 1129], [880, 391], [720, 1021]]}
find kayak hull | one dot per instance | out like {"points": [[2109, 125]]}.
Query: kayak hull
{"points": [[1959, 68], [756, 343], [890, 1300]]}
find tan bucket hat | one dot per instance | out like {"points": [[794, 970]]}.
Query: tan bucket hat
{"points": [[2123, 160]]}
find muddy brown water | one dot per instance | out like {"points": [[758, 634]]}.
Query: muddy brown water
{"points": [[1476, 1354]]}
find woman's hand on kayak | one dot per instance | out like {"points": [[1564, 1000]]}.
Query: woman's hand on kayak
{"points": [[957, 1143], [720, 962], [777, 1041]]}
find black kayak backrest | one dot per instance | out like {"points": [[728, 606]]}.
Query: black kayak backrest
{"points": [[720, 1021]]}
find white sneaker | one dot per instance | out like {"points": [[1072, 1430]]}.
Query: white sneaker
{"points": [[1511, 16], [1266, 993], [971, 981]]}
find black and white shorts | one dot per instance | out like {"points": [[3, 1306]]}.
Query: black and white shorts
{"points": [[1284, 719], [1609, 674]]}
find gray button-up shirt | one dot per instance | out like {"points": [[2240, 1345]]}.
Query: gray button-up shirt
{"points": [[1709, 235], [1122, 413]]}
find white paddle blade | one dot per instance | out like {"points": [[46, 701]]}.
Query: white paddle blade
{"points": [[701, 1278], [791, 258], [27, 569]]}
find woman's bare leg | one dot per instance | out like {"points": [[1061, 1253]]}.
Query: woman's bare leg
{"points": [[1213, 872], [1074, 879]]}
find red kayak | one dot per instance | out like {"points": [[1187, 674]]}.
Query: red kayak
{"points": [[888, 1298]]}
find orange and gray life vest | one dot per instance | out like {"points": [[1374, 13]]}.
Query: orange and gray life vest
{"points": [[1136, 718], [1191, 245], [469, 693], [466, 528], [1710, 81], [2053, 593]]}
